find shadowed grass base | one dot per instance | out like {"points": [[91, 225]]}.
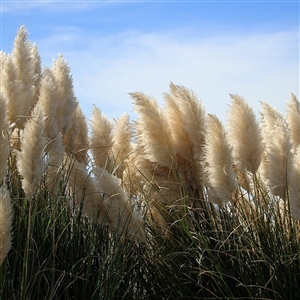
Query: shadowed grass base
{"points": [[205, 255]]}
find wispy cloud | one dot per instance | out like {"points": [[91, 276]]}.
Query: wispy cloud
{"points": [[24, 6], [106, 68]]}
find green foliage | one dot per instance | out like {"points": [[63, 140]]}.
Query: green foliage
{"points": [[57, 253]]}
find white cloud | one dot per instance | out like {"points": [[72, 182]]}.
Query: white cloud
{"points": [[260, 67], [23, 6]]}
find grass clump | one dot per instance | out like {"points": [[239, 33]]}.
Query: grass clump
{"points": [[175, 205]]}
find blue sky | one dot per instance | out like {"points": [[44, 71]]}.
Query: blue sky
{"points": [[212, 47]]}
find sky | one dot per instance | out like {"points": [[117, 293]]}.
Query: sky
{"points": [[214, 48]]}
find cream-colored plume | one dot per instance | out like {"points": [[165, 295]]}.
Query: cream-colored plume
{"points": [[194, 115], [121, 214], [84, 190], [294, 180], [79, 144], [12, 89], [37, 70], [244, 135], [101, 140], [23, 60], [219, 174], [122, 149], [48, 101], [31, 159], [277, 161], [293, 119], [4, 137], [153, 131], [66, 100], [5, 223], [177, 120]]}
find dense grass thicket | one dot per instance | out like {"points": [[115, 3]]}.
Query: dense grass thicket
{"points": [[173, 205]]}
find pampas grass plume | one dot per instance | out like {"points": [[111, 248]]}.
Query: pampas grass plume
{"points": [[218, 162], [101, 140], [194, 116], [277, 161], [85, 190], [4, 140], [31, 158], [245, 135], [294, 180], [81, 140], [5, 223], [23, 61], [66, 100], [181, 140], [121, 214], [293, 119], [153, 131], [12, 89], [122, 148]]}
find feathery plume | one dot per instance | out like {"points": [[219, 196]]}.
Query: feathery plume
{"points": [[120, 212], [37, 70], [12, 89], [294, 179], [194, 116], [4, 140], [277, 161], [218, 162], [122, 144], [3, 56], [293, 119], [101, 140], [81, 141], [153, 131], [48, 102], [23, 61], [244, 135], [181, 140], [85, 190], [5, 223], [55, 152], [66, 100], [31, 158], [54, 149]]}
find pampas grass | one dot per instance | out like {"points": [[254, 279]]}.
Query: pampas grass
{"points": [[121, 214], [153, 131], [23, 60], [277, 162], [101, 140], [244, 135], [76, 140], [66, 100], [12, 89], [122, 148], [294, 180], [5, 223], [37, 71], [293, 119], [84, 190], [4, 139], [31, 159], [171, 206], [218, 162]]}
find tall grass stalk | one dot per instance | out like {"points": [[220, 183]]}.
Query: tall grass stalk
{"points": [[158, 210]]}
